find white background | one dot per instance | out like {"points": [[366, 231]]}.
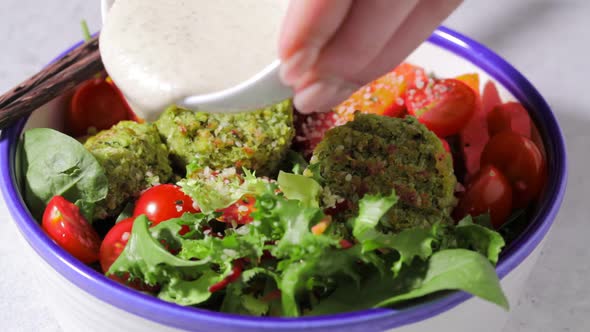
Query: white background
{"points": [[546, 40]]}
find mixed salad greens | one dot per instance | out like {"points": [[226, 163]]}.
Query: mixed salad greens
{"points": [[353, 217]]}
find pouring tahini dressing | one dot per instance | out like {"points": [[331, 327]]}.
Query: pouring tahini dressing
{"points": [[159, 52]]}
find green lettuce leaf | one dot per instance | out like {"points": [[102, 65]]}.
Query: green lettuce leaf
{"points": [[479, 238], [190, 292], [301, 188], [410, 243], [213, 193], [371, 209], [144, 257]]}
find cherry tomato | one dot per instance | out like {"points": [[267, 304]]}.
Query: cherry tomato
{"points": [[239, 212], [489, 191], [63, 222], [472, 80], [519, 159], [511, 116], [96, 104], [383, 96], [446, 145], [444, 106], [114, 242], [110, 249], [163, 202]]}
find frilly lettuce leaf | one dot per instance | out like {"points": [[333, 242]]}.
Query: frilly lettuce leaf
{"points": [[146, 258], [479, 238], [301, 188], [213, 193]]}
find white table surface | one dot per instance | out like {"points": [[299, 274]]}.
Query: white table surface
{"points": [[547, 40]]}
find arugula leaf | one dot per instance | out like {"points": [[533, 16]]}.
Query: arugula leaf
{"points": [[56, 164], [479, 238], [457, 269], [299, 187]]}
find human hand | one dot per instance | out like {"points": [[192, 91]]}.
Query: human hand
{"points": [[330, 48]]}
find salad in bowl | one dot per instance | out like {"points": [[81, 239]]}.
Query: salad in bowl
{"points": [[409, 189]]}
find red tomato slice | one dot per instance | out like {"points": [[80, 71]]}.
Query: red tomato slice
{"points": [[96, 105], [385, 95], [489, 191], [63, 222], [114, 242], [239, 212], [521, 161], [234, 275], [164, 202], [444, 107], [511, 116], [490, 97], [474, 135]]}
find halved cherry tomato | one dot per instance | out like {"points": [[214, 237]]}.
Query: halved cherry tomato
{"points": [[521, 161], [444, 107], [239, 212], [385, 95], [489, 191], [96, 104], [164, 202], [511, 116], [114, 242], [110, 249], [63, 222]]}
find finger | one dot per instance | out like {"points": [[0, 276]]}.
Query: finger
{"points": [[308, 27], [323, 95], [418, 25], [416, 28], [363, 34]]}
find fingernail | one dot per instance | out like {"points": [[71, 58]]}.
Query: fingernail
{"points": [[298, 64], [322, 96]]}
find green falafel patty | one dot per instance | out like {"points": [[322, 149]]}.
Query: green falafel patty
{"points": [[133, 157], [375, 154], [255, 140]]}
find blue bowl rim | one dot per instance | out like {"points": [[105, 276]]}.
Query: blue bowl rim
{"points": [[188, 318]]}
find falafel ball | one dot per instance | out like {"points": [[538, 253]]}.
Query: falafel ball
{"points": [[375, 154], [256, 140], [134, 158]]}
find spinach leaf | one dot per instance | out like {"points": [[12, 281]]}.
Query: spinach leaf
{"points": [[457, 269], [56, 164]]}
